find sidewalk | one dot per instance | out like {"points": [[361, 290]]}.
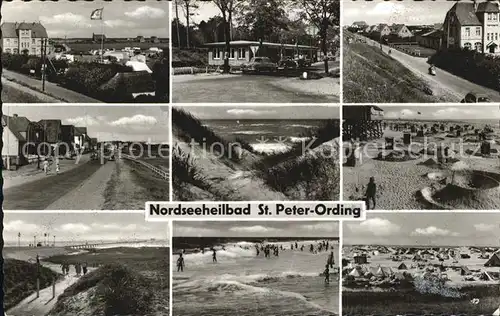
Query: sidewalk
{"points": [[51, 89]]}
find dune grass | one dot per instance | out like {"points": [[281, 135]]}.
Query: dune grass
{"points": [[20, 280], [374, 77], [190, 129]]}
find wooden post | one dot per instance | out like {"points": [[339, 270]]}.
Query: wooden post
{"points": [[53, 288], [37, 287]]}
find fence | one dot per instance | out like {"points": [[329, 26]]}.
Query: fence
{"points": [[162, 173], [200, 70]]}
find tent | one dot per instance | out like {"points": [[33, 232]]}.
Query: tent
{"points": [[138, 66], [402, 266], [485, 276], [494, 261], [497, 312], [355, 273], [465, 271]]}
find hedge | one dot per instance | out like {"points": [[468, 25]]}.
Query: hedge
{"points": [[471, 65]]}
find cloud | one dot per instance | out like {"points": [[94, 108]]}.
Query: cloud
{"points": [[254, 229], [76, 228], [465, 112], [387, 8], [248, 112], [146, 12], [193, 231], [376, 227], [19, 226], [433, 231], [484, 227], [84, 121], [325, 227], [405, 113], [137, 120], [67, 19], [119, 23]]}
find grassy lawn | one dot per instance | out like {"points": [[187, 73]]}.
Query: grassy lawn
{"points": [[13, 95], [371, 76], [20, 280], [412, 302]]}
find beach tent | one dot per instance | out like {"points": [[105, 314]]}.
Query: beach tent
{"points": [[485, 276], [402, 266], [497, 312], [494, 261], [465, 271], [138, 66], [355, 273]]}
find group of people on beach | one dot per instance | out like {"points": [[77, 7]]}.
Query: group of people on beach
{"points": [[79, 268], [180, 260], [48, 161]]}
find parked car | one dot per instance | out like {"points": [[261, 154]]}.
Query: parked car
{"points": [[259, 64], [473, 97], [287, 63]]}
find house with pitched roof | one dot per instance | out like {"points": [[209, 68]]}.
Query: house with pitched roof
{"points": [[14, 138], [401, 30], [22, 38], [473, 25]]}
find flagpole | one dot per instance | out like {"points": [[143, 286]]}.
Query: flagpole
{"points": [[102, 36]]}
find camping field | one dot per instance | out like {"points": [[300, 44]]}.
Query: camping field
{"points": [[87, 46]]}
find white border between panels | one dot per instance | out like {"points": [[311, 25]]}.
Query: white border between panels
{"points": [[341, 244]]}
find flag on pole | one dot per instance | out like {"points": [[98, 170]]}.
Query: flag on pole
{"points": [[96, 14]]}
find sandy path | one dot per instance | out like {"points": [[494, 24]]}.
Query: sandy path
{"points": [[42, 305], [89, 195]]}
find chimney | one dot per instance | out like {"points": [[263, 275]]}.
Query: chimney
{"points": [[475, 5], [15, 115]]}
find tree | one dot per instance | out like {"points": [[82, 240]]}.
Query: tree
{"points": [[188, 6], [265, 19], [177, 23], [324, 14], [227, 9]]}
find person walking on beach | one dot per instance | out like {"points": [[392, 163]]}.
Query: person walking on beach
{"points": [[180, 263], [214, 256], [327, 274], [84, 268], [371, 191], [78, 269], [331, 260]]}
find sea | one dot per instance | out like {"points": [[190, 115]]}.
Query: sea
{"points": [[265, 135], [244, 284], [100, 244]]}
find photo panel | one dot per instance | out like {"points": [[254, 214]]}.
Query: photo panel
{"points": [[66, 264], [422, 157], [254, 51], [85, 157], [255, 268], [255, 153], [85, 52], [420, 52], [422, 263]]}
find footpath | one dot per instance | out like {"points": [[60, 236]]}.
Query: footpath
{"points": [[51, 89]]}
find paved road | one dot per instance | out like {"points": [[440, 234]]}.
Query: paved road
{"points": [[239, 89], [39, 194], [52, 89], [456, 86]]}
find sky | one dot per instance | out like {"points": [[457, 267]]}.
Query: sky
{"points": [[81, 227], [126, 123], [484, 112], [425, 229], [72, 19], [400, 12], [317, 229], [264, 112]]}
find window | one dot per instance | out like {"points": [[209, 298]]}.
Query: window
{"points": [[467, 31], [494, 16], [478, 31], [33, 41], [496, 36], [242, 53], [216, 53], [33, 51], [488, 36], [467, 45], [8, 40], [490, 16], [478, 46], [233, 53]]}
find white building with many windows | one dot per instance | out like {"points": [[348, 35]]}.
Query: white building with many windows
{"points": [[22, 38], [473, 25]]}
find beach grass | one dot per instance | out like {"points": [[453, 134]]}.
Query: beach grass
{"points": [[20, 280]]}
